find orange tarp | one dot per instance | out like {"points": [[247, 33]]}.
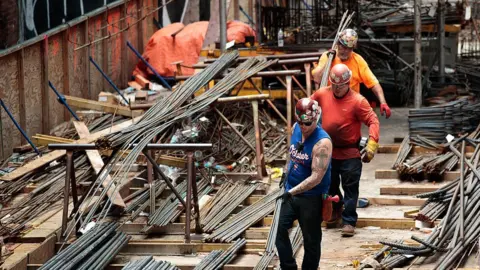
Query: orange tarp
{"points": [[163, 49]]}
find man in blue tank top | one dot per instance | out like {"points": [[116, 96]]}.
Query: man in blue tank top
{"points": [[306, 179]]}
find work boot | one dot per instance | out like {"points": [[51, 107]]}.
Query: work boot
{"points": [[348, 230]]}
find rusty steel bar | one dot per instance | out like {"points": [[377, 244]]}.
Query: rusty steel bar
{"points": [[298, 60], [188, 207], [259, 74], [66, 192], [233, 128], [156, 146], [462, 191], [260, 157], [308, 78], [269, 102], [243, 98], [277, 56], [289, 109], [192, 177]]}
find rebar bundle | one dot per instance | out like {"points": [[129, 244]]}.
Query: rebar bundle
{"points": [[217, 259], [143, 200], [269, 252], [227, 198], [236, 225], [93, 250], [148, 263]]}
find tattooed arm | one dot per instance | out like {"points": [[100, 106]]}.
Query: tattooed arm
{"points": [[321, 155]]}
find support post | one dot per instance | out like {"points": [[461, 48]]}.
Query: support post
{"points": [[66, 192], [150, 184], [418, 54], [308, 78], [188, 199], [192, 176], [289, 109], [260, 158], [441, 39], [223, 25]]}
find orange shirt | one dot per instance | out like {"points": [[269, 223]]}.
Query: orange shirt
{"points": [[361, 73], [342, 119]]}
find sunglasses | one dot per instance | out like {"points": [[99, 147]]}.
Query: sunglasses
{"points": [[305, 123]]}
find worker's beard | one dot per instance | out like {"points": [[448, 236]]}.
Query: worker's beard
{"points": [[344, 56]]}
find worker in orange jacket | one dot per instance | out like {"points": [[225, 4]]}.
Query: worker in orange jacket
{"points": [[343, 112], [361, 73]]}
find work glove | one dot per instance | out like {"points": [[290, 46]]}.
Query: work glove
{"points": [[385, 109], [331, 52], [282, 180], [286, 196], [370, 151]]}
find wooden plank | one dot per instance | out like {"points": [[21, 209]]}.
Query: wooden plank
{"points": [[55, 75], [388, 148], [144, 83], [410, 213], [21, 91], [393, 174], [45, 140], [101, 106], [88, 92], [66, 72], [54, 155], [172, 161], [33, 89], [44, 252], [45, 91], [97, 164], [404, 189], [135, 85], [396, 201]]}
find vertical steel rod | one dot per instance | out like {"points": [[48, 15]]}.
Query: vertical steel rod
{"points": [[66, 192], [308, 78], [260, 158], [188, 212], [418, 53], [462, 199], [193, 179], [289, 109]]}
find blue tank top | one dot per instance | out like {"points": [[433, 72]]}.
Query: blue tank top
{"points": [[300, 166]]}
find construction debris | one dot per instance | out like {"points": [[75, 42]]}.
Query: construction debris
{"points": [[149, 263]]}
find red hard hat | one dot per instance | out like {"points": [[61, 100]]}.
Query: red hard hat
{"points": [[307, 110], [340, 74]]}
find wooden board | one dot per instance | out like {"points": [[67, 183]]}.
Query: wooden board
{"points": [[393, 174], [408, 189], [385, 200], [33, 89], [77, 61], [97, 164], [54, 155], [96, 52], [44, 252], [55, 75], [115, 47], [101, 106], [132, 37]]}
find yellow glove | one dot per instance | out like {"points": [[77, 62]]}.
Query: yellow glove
{"points": [[370, 150]]}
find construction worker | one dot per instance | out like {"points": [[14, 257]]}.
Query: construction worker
{"points": [[361, 73], [344, 110], [306, 178]]}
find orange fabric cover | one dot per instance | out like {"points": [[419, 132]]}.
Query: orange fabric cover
{"points": [[163, 49]]}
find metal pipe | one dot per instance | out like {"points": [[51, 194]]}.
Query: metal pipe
{"points": [[150, 146], [20, 128], [260, 157], [441, 39], [269, 102], [289, 109], [243, 98], [108, 79], [298, 60], [258, 74], [308, 78], [223, 24], [462, 190], [63, 101], [192, 177], [159, 77], [418, 53], [66, 192]]}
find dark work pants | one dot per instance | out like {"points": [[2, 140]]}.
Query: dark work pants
{"points": [[308, 211], [347, 172]]}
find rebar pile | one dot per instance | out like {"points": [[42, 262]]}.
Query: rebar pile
{"points": [[142, 201], [458, 203], [226, 200], [269, 252], [93, 250], [168, 209], [236, 225], [149, 263], [44, 198], [171, 109], [217, 258], [434, 123]]}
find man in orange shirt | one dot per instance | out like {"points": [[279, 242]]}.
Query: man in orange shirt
{"points": [[344, 111], [361, 73]]}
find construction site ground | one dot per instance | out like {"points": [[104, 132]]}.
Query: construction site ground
{"points": [[383, 219]]}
